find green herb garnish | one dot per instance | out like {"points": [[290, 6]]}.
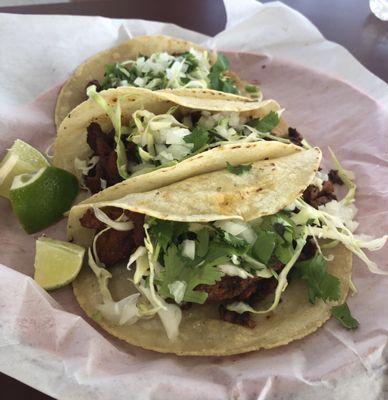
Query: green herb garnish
{"points": [[265, 124], [343, 315]]}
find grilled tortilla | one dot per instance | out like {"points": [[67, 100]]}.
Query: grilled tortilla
{"points": [[273, 182]]}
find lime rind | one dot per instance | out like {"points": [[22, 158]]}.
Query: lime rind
{"points": [[26, 179], [21, 158], [40, 199]]}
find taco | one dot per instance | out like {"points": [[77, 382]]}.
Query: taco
{"points": [[151, 62], [222, 263], [129, 132]]}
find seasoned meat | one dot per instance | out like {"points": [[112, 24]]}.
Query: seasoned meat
{"points": [[101, 143], [103, 146], [244, 319], [315, 197], [138, 229], [114, 246], [235, 288], [229, 287], [263, 288], [334, 177], [295, 136], [89, 220], [309, 250], [93, 179], [132, 154]]}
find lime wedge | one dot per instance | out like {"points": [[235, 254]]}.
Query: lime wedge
{"points": [[57, 263], [40, 199], [21, 158]]}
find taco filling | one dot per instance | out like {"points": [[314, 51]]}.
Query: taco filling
{"points": [[230, 263], [191, 69], [153, 141]]}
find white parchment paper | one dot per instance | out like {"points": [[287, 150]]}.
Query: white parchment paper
{"points": [[44, 340]]}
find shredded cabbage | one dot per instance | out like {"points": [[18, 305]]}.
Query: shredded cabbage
{"points": [[116, 225], [142, 264], [282, 283], [152, 259], [102, 275], [261, 269], [348, 179], [345, 211], [142, 269], [169, 314], [85, 166], [328, 226], [140, 252], [121, 312]]}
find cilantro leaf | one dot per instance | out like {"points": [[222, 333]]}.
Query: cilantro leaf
{"points": [[165, 231], [265, 124], [284, 252], [228, 86], [251, 89], [343, 315], [238, 169], [321, 285], [175, 269], [218, 253], [264, 245], [202, 245], [218, 79], [222, 63], [191, 61], [199, 137], [234, 241]]}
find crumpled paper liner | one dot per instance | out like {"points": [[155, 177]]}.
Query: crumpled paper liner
{"points": [[44, 339]]}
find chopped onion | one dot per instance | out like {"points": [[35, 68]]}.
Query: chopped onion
{"points": [[176, 135], [177, 290], [232, 227], [235, 259], [239, 229], [139, 82], [232, 270], [188, 249], [180, 151]]}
